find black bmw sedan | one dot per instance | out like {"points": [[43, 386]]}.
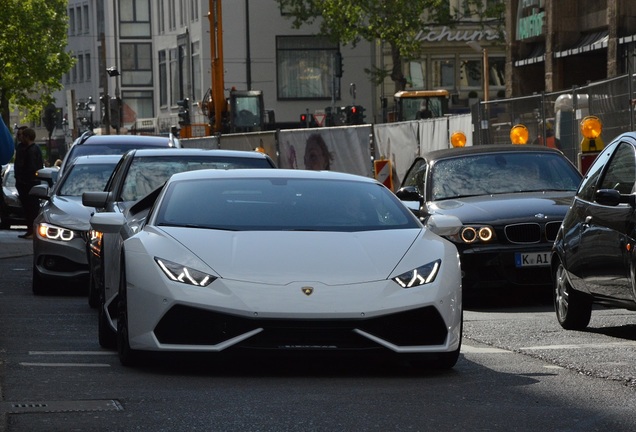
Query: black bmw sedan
{"points": [[593, 259], [511, 200]]}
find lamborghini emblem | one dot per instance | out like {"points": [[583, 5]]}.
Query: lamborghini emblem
{"points": [[307, 290]]}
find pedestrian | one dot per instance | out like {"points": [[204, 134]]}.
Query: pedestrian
{"points": [[551, 141], [7, 146], [28, 160]]}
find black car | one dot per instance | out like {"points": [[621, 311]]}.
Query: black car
{"points": [[593, 258], [511, 200], [11, 211], [90, 144], [131, 190]]}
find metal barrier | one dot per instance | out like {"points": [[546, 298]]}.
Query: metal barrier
{"points": [[611, 100]]}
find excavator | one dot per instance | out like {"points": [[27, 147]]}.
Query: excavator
{"points": [[243, 110]]}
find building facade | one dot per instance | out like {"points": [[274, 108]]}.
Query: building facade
{"points": [[557, 44], [150, 54]]}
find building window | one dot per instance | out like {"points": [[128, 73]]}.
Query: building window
{"points": [[417, 74], [87, 19], [163, 79], [172, 14], [443, 73], [87, 67], [74, 70], [304, 67], [196, 71], [470, 73], [78, 15], [194, 10], [183, 13], [139, 103], [80, 67], [175, 79], [71, 21], [136, 64], [162, 16], [134, 17]]}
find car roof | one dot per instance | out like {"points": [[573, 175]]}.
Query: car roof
{"points": [[196, 152], [96, 159], [147, 140], [485, 149], [269, 173]]}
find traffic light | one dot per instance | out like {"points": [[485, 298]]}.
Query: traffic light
{"points": [[307, 120], [355, 114], [115, 112], [184, 111], [338, 65]]}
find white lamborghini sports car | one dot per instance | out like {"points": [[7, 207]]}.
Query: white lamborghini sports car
{"points": [[287, 260]]}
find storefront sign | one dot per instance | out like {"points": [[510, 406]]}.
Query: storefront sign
{"points": [[530, 19], [453, 35]]}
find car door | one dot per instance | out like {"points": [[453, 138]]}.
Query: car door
{"points": [[606, 230]]}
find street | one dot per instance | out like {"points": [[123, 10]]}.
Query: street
{"points": [[518, 371]]}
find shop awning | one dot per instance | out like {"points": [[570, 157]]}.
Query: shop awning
{"points": [[536, 56], [627, 39], [586, 43]]}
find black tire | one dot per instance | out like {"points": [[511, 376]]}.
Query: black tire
{"points": [[37, 284], [107, 337], [127, 355], [93, 292], [573, 308], [5, 223]]}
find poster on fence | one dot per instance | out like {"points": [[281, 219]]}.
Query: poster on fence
{"points": [[343, 149]]}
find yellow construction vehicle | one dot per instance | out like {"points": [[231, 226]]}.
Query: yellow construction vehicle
{"points": [[243, 110]]}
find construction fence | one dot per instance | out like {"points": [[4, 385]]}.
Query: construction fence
{"points": [[612, 101]]}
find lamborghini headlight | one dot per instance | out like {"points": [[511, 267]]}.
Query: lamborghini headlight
{"points": [[53, 232], [183, 274], [420, 276]]}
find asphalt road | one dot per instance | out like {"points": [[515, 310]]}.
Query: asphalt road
{"points": [[518, 371]]}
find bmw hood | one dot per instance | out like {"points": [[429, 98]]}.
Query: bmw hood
{"points": [[493, 209], [67, 212], [275, 257]]}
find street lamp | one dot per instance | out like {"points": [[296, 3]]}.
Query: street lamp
{"points": [[485, 74], [85, 112], [91, 106]]}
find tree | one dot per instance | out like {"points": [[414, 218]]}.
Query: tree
{"points": [[395, 22], [33, 57]]}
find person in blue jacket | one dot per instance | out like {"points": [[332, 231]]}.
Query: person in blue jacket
{"points": [[7, 146]]}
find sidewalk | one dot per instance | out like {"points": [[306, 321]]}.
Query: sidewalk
{"points": [[13, 246]]}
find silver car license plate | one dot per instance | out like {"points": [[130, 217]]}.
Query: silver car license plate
{"points": [[532, 259]]}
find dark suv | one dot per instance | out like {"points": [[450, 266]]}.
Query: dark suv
{"points": [[90, 144]]}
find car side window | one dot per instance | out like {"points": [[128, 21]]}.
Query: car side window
{"points": [[621, 170], [587, 187], [415, 176]]}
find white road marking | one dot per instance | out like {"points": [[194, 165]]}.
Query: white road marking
{"points": [[483, 350], [65, 364], [87, 353], [580, 346]]}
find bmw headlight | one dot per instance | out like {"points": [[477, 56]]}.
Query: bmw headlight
{"points": [[469, 234], [183, 274], [53, 232], [419, 276]]}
